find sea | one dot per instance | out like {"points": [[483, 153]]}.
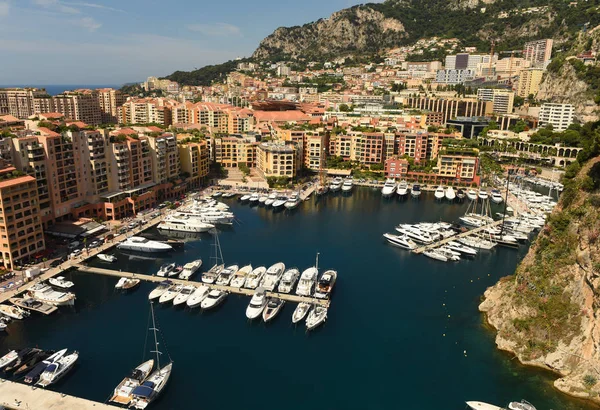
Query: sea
{"points": [[403, 330], [55, 89]]}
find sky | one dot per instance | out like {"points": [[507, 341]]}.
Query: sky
{"points": [[91, 42]]}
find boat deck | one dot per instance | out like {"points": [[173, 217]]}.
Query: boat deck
{"points": [[230, 289], [44, 308], [444, 241]]}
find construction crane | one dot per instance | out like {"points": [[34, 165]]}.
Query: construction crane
{"points": [[510, 69]]}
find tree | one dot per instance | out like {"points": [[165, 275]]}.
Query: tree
{"points": [[242, 166], [344, 108]]}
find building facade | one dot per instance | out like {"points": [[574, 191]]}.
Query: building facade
{"points": [[560, 116]]}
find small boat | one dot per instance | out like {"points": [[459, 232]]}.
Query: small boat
{"points": [[482, 194], [273, 307], [325, 284], [257, 303], [216, 194], [292, 202], [61, 282], [401, 241], [127, 283], [139, 244], [322, 190], [254, 198], [198, 296], [26, 367], [107, 258], [389, 187], [288, 280], [254, 278], [460, 194], [279, 202], [450, 194], [160, 289], [450, 254], [8, 358], [57, 369], [190, 268], [496, 197], [184, 295], [520, 405], [123, 392], [347, 185], [472, 194], [415, 192], [263, 199], [336, 184], [34, 374], [402, 188], [272, 276], [435, 255], [226, 275], [439, 193], [166, 269], [270, 199], [47, 294], [307, 281], [245, 198], [239, 278], [13, 312], [228, 195], [316, 317], [212, 275], [3, 326], [458, 247], [213, 299], [170, 294], [478, 405], [300, 312]]}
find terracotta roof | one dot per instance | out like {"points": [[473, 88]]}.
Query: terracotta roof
{"points": [[48, 133], [51, 115], [9, 118], [281, 116], [154, 128], [16, 181], [124, 131], [78, 124]]}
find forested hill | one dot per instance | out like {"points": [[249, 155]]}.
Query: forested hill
{"points": [[205, 75]]}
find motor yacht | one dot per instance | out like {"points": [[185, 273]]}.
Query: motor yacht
{"points": [[212, 275], [401, 241], [272, 276], [288, 280], [262, 199], [279, 202], [472, 194], [477, 243], [450, 194], [325, 284], [45, 293], [254, 198], [300, 312], [482, 194], [23, 356], [520, 405], [415, 234], [228, 195], [415, 192], [336, 184], [473, 221], [292, 202], [9, 359], [27, 366], [139, 244], [347, 185], [273, 307], [34, 374], [463, 249], [217, 194], [478, 405], [460, 194], [160, 289], [226, 275], [126, 283], [307, 281], [190, 268], [496, 196], [389, 187], [402, 188], [123, 392], [439, 193], [449, 253], [166, 269], [198, 296], [434, 254], [316, 317], [184, 295], [214, 298], [61, 282], [245, 198], [257, 303], [254, 278], [184, 223], [170, 294], [107, 258], [239, 278], [57, 369], [144, 394], [271, 198], [13, 312]]}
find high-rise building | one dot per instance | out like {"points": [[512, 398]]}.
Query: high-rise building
{"points": [[79, 105], [165, 158], [24, 102], [276, 159], [452, 77], [560, 116], [194, 160], [461, 167], [110, 100], [501, 99], [538, 52], [529, 82], [452, 107]]}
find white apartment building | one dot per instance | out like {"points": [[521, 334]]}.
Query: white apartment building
{"points": [[502, 99], [454, 76], [560, 116]]}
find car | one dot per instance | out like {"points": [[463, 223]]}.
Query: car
{"points": [[55, 263], [163, 205], [132, 225], [156, 214], [75, 253], [95, 244], [122, 231]]}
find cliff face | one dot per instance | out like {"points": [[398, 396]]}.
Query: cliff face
{"points": [[548, 313]]}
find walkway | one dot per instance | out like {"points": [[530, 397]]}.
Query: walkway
{"points": [[455, 237]]}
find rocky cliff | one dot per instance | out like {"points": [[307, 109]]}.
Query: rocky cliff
{"points": [[548, 313]]}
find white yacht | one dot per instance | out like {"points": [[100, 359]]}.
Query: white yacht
{"points": [[482, 194], [401, 241], [520, 405], [347, 185], [170, 294], [307, 281], [254, 198], [198, 296], [226, 275], [449, 253], [389, 187], [478, 405], [292, 202], [316, 317], [139, 244], [415, 234], [439, 193], [184, 295], [61, 282], [239, 278], [166, 269], [160, 289], [473, 221], [271, 198], [463, 249], [415, 192], [496, 197], [288, 280], [212, 274], [184, 223], [216, 217], [300, 312], [151, 388], [122, 394], [127, 283], [434, 254], [257, 303], [254, 278], [8, 359], [213, 299], [450, 194], [262, 199], [273, 307], [472, 194], [402, 188], [279, 202], [107, 258], [477, 243], [325, 284], [245, 198], [45, 293], [190, 268], [336, 184], [57, 369], [272, 276], [13, 312]]}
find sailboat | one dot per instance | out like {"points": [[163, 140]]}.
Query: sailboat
{"points": [[214, 272], [150, 389], [122, 394]]}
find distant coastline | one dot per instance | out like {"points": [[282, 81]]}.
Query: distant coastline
{"points": [[54, 89]]}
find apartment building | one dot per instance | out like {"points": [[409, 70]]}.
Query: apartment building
{"points": [[314, 148], [147, 110], [451, 107], [24, 102], [511, 66], [529, 82], [276, 160], [341, 146], [165, 158], [560, 116], [395, 167], [21, 235], [413, 145], [452, 77], [370, 148], [96, 150], [538, 52], [194, 159], [110, 100], [463, 168], [232, 150], [79, 105], [501, 99]]}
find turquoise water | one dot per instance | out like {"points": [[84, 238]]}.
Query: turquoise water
{"points": [[403, 330]]}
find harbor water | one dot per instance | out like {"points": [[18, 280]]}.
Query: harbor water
{"points": [[403, 331]]}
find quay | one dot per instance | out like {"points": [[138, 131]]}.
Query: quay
{"points": [[230, 289], [16, 396], [444, 241]]}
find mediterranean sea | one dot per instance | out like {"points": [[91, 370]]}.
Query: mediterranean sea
{"points": [[403, 331]]}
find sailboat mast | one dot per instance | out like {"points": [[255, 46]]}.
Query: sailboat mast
{"points": [[155, 339], [505, 203], [317, 262]]}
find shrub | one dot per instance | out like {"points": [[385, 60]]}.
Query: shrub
{"points": [[595, 200], [589, 381]]}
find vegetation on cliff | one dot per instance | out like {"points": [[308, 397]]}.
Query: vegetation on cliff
{"points": [[205, 75]]}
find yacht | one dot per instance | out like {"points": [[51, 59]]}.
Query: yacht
{"points": [[190, 268], [450, 194], [183, 296], [166, 269], [184, 223], [347, 185], [226, 275], [325, 284], [61, 282], [13, 312], [214, 217], [434, 254], [254, 278], [288, 280], [272, 309], [279, 202], [389, 187], [300, 312], [336, 184], [307, 281], [316, 317], [271, 198], [23, 356], [57, 369], [254, 198], [449, 253], [127, 284], [45, 293], [292, 202], [478, 405], [217, 194], [482, 194], [402, 188], [263, 199], [9, 359], [122, 394], [416, 191], [139, 244], [228, 195], [198, 296], [212, 274], [460, 194], [496, 197], [463, 249], [107, 258], [245, 198], [401, 241], [36, 357], [322, 190], [473, 221], [170, 294], [239, 278], [472, 194], [272, 276], [34, 374], [257, 303], [477, 243], [214, 298], [520, 405], [160, 289], [415, 234], [439, 193]]}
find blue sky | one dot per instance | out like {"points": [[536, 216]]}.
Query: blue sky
{"points": [[118, 41]]}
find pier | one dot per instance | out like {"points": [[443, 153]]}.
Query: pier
{"points": [[34, 305], [444, 241], [230, 289], [304, 195], [16, 395]]}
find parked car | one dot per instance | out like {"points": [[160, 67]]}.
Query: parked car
{"points": [[95, 244], [55, 263], [132, 225], [75, 253], [73, 245]]}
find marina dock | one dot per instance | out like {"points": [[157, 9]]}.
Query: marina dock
{"points": [[442, 242], [304, 195], [239, 291], [16, 395], [39, 307]]}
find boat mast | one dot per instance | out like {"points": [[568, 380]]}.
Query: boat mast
{"points": [[154, 329], [505, 203], [317, 262]]}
